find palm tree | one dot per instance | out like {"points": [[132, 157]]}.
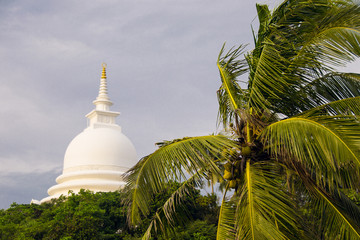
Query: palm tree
{"points": [[291, 139]]}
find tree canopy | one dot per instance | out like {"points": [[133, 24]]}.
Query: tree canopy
{"points": [[102, 216]]}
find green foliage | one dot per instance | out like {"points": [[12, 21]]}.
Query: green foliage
{"points": [[80, 216], [196, 230], [99, 216]]}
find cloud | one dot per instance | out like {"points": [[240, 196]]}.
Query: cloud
{"points": [[23, 187], [60, 49]]}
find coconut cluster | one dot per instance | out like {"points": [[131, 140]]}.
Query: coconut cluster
{"points": [[235, 164]]}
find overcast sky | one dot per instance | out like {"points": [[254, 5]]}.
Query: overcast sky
{"points": [[162, 76]]}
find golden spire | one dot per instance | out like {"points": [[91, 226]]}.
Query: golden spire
{"points": [[103, 98], [103, 75]]}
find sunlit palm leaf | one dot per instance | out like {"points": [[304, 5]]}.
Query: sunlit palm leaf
{"points": [[175, 161], [322, 144], [267, 81], [226, 222], [329, 26], [264, 211], [323, 90], [330, 34], [302, 41], [336, 216], [230, 95], [348, 106]]}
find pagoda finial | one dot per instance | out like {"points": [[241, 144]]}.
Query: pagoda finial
{"points": [[102, 115], [103, 101], [103, 75]]}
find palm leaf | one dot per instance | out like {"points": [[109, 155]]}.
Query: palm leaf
{"points": [[266, 81], [323, 90], [169, 213], [336, 46], [331, 87], [337, 209], [264, 16], [264, 210], [302, 40], [323, 145], [230, 95], [226, 222], [327, 25], [172, 162], [334, 208], [330, 34], [348, 106]]}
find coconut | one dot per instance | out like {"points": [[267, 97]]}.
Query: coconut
{"points": [[232, 184], [246, 151], [227, 174], [228, 166]]}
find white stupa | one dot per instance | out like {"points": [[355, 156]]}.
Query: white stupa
{"points": [[96, 158]]}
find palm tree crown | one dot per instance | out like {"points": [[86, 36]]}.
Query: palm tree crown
{"points": [[292, 135]]}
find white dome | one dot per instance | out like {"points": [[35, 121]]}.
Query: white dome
{"points": [[101, 149]]}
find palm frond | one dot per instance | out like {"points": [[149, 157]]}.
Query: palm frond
{"points": [[266, 81], [226, 222], [345, 107], [331, 87], [336, 215], [230, 95], [303, 39], [324, 145], [335, 210], [264, 16], [263, 209], [330, 34], [323, 90], [169, 213], [336, 46], [172, 162]]}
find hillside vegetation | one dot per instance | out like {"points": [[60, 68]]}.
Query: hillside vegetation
{"points": [[90, 215]]}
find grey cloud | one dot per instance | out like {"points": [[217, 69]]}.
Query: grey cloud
{"points": [[23, 187]]}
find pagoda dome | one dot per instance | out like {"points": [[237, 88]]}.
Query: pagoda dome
{"points": [[101, 148], [97, 158]]}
